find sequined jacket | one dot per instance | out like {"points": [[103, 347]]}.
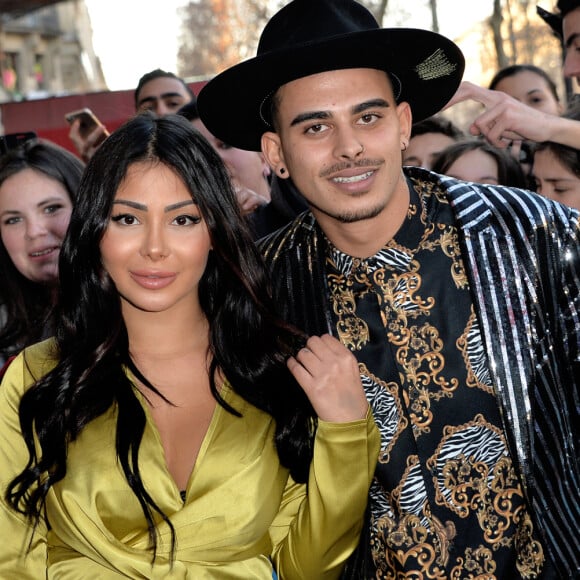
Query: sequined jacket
{"points": [[522, 256]]}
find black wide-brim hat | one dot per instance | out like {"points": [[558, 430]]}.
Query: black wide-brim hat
{"points": [[307, 37]]}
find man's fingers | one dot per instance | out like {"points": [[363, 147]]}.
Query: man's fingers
{"points": [[469, 91]]}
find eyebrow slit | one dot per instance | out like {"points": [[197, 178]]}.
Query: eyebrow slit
{"points": [[372, 104], [310, 116]]}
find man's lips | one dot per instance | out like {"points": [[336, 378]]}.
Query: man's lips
{"points": [[355, 178]]}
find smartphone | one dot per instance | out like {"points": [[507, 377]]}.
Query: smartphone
{"points": [[13, 140], [88, 123]]}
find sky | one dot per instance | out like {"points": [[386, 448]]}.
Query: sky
{"points": [[132, 38]]}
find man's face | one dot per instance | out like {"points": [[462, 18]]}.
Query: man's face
{"points": [[571, 32], [246, 168], [339, 137], [162, 95]]}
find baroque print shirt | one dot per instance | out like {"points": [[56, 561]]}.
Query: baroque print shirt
{"points": [[446, 501]]}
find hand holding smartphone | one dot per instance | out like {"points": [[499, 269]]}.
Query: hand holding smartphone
{"points": [[88, 134], [88, 123]]}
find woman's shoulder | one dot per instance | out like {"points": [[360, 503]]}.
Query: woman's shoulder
{"points": [[32, 363]]}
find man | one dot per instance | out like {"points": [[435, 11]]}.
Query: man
{"points": [[159, 91], [566, 25], [460, 301]]}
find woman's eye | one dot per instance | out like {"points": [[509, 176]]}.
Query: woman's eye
{"points": [[125, 219], [52, 208], [186, 220]]}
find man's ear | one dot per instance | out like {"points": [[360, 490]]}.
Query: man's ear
{"points": [[405, 122], [272, 152]]}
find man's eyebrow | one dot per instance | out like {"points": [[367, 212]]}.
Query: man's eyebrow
{"points": [[309, 116], [356, 109], [172, 95], [372, 104], [143, 207], [153, 98], [572, 38]]}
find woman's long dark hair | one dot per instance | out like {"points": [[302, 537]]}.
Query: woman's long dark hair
{"points": [[27, 305], [247, 340]]}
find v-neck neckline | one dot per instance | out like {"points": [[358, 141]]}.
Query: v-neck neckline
{"points": [[225, 392]]}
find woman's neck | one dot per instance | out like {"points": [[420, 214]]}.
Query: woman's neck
{"points": [[165, 335]]}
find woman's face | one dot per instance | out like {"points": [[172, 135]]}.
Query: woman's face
{"points": [[555, 180], [35, 212], [475, 166], [532, 90], [156, 245]]}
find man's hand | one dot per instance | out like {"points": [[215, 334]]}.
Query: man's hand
{"points": [[329, 374], [86, 146], [506, 119]]}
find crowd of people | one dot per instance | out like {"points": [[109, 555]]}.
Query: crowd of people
{"points": [[323, 332]]}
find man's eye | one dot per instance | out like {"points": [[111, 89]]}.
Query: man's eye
{"points": [[318, 128], [368, 118]]}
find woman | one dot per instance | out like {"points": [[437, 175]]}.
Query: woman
{"points": [[532, 86], [478, 161], [529, 84], [38, 186], [170, 432], [556, 168]]}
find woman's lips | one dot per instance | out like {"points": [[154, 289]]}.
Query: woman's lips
{"points": [[153, 280], [44, 253]]}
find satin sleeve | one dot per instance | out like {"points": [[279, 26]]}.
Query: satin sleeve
{"points": [[314, 533], [22, 554]]}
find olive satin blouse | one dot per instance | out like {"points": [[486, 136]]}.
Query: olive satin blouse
{"points": [[242, 511]]}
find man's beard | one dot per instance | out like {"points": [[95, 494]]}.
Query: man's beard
{"points": [[349, 217]]}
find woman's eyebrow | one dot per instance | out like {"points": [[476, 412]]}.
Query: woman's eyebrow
{"points": [[143, 207]]}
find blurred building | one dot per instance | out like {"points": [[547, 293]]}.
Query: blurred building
{"points": [[46, 49]]}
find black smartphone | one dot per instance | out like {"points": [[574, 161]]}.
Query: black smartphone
{"points": [[13, 140]]}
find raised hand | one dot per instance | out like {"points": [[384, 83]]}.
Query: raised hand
{"points": [[86, 146], [329, 374], [506, 119]]}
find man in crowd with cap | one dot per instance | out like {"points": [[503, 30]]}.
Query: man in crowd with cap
{"points": [[460, 301]]}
